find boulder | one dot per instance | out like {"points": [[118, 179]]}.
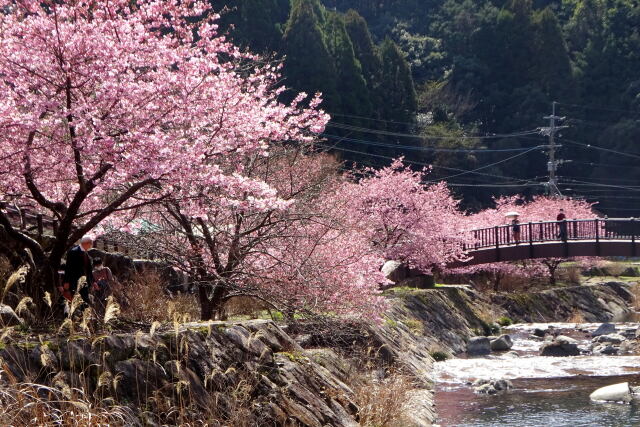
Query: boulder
{"points": [[610, 339], [560, 347], [539, 332], [612, 393], [491, 386], [606, 349], [478, 346], [8, 317], [423, 281], [394, 271], [485, 389], [604, 329], [502, 343]]}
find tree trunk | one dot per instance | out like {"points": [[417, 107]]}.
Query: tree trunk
{"points": [[212, 308]]}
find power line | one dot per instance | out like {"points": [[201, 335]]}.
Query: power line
{"points": [[426, 164], [410, 135], [588, 107], [595, 147], [434, 149]]}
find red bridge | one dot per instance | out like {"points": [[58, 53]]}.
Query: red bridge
{"points": [[600, 237]]}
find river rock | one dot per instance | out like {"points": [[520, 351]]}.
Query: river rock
{"points": [[612, 393], [561, 346], [539, 332], [8, 317], [604, 329], [478, 346], [394, 271], [502, 343], [606, 349], [491, 386], [610, 339]]}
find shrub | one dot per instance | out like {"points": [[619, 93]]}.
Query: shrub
{"points": [[439, 356], [144, 298], [381, 402], [414, 326], [504, 321]]}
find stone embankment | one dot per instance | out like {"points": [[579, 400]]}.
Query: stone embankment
{"points": [[298, 374]]}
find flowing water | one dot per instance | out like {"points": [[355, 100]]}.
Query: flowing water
{"points": [[548, 391]]}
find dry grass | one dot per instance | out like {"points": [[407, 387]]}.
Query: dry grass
{"points": [[381, 402], [23, 404], [615, 269], [576, 317], [635, 290], [571, 275], [249, 307], [144, 298]]}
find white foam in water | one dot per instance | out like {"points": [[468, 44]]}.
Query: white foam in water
{"points": [[465, 370]]}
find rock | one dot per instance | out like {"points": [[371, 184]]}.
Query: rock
{"points": [[394, 271], [423, 281], [638, 333], [478, 346], [502, 385], [606, 349], [8, 317], [485, 389], [485, 386], [502, 343], [612, 393], [611, 339], [560, 347], [604, 329], [539, 332]]}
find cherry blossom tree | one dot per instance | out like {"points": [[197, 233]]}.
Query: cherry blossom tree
{"points": [[405, 219], [298, 255], [110, 106]]}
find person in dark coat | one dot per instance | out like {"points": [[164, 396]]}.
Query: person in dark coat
{"points": [[562, 225], [78, 264]]}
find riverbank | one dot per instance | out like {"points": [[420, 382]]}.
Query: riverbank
{"points": [[309, 373]]}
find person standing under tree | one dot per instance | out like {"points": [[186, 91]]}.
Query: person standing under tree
{"points": [[101, 286], [562, 225], [78, 264]]}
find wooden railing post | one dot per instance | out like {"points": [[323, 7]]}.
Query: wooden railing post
{"points": [[530, 230], [541, 237], [633, 237], [597, 221], [497, 237], [23, 218], [39, 225]]}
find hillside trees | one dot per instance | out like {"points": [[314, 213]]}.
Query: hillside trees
{"points": [[103, 113]]}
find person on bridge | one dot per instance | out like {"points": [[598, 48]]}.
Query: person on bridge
{"points": [[515, 227], [562, 225], [78, 264]]}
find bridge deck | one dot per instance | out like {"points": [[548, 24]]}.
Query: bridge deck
{"points": [[555, 249]]}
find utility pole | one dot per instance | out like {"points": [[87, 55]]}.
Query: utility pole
{"points": [[552, 164]]}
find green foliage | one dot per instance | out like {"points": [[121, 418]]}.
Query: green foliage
{"points": [[504, 321], [481, 67], [439, 356]]}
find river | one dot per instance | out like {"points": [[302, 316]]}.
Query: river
{"points": [[548, 391]]}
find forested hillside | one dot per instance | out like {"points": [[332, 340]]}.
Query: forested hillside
{"points": [[464, 85]]}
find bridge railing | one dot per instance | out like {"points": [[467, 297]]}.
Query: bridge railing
{"points": [[25, 220], [549, 231]]}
